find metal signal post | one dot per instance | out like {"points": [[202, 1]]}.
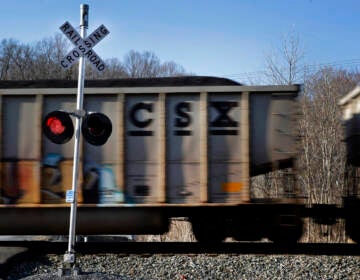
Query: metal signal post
{"points": [[69, 256], [96, 127]]}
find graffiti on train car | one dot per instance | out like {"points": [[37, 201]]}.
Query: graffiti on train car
{"points": [[51, 180], [98, 184], [19, 181]]}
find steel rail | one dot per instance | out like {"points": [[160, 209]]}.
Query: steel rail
{"points": [[263, 248]]}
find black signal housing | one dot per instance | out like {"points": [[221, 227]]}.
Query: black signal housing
{"points": [[96, 128]]}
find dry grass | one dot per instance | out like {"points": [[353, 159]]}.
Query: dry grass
{"points": [[180, 231]]}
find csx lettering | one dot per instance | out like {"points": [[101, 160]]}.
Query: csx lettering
{"points": [[141, 123], [182, 110], [183, 118], [134, 114], [223, 108]]}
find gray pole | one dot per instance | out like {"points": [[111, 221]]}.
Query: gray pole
{"points": [[69, 256]]}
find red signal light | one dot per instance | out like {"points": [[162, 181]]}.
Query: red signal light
{"points": [[58, 127], [55, 125]]}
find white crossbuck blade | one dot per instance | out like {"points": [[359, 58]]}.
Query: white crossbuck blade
{"points": [[83, 46]]}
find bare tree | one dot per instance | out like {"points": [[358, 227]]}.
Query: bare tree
{"points": [[322, 157], [282, 67], [284, 63], [7, 52], [171, 69], [114, 70], [42, 61], [141, 65], [137, 65], [27, 62], [147, 64], [48, 54], [21, 61]]}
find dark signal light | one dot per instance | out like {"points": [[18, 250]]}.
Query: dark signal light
{"points": [[96, 128], [58, 127]]}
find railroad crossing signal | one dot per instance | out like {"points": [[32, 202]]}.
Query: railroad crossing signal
{"points": [[96, 127], [83, 47], [59, 129]]}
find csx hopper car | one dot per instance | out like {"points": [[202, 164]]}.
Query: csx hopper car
{"points": [[179, 147]]}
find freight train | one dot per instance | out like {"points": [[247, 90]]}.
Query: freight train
{"points": [[175, 147]]}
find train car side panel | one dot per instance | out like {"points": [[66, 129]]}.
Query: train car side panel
{"points": [[272, 129], [228, 180], [142, 148], [183, 148], [20, 166]]}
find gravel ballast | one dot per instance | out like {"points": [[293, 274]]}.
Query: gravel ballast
{"points": [[112, 266]]}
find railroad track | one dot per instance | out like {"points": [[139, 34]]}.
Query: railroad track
{"points": [[16, 252], [148, 248]]}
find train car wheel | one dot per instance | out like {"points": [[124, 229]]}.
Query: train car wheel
{"points": [[248, 228], [352, 229], [247, 236], [286, 233], [352, 222], [208, 231]]}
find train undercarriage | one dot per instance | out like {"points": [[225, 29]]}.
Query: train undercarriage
{"points": [[280, 222]]}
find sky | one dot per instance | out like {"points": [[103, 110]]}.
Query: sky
{"points": [[227, 38]]}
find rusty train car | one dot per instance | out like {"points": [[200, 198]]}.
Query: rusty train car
{"points": [[180, 147]]}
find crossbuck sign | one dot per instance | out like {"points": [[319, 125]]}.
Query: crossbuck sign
{"points": [[83, 47]]}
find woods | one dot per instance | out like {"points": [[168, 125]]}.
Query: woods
{"points": [[322, 157], [322, 150], [19, 61]]}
